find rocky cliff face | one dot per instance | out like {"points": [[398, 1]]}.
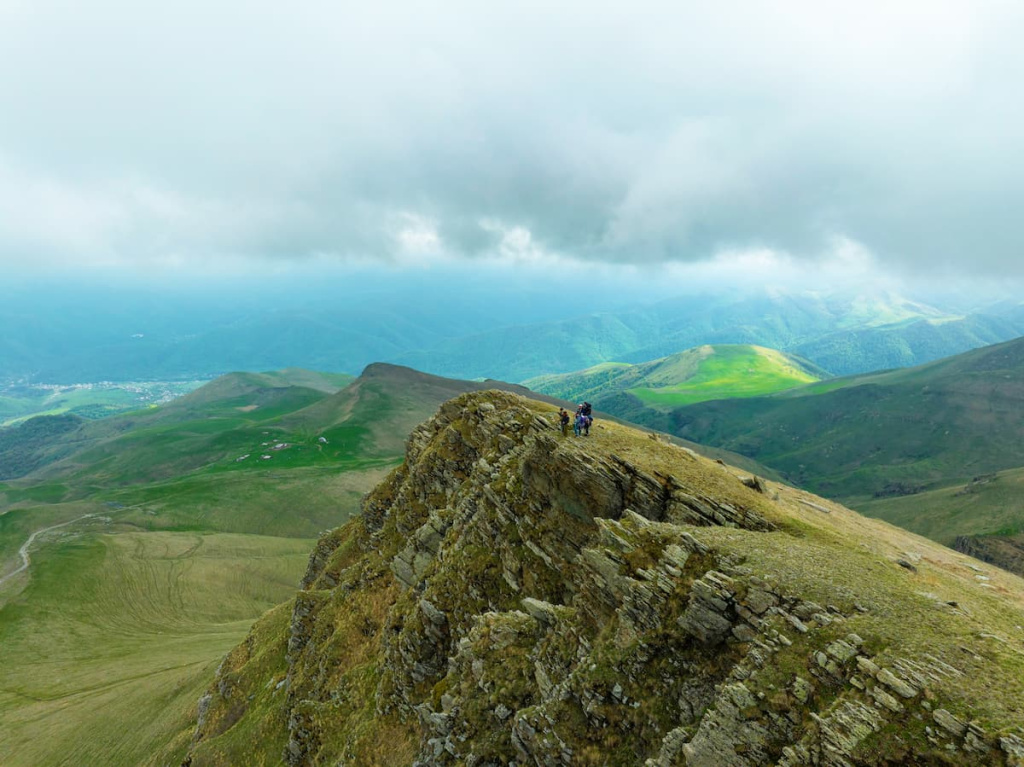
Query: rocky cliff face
{"points": [[512, 596]]}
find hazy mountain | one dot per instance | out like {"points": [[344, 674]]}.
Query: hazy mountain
{"points": [[500, 327], [839, 333]]}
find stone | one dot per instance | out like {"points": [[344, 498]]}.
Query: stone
{"points": [[949, 723], [802, 689], [897, 685], [542, 612], [886, 700], [867, 666]]}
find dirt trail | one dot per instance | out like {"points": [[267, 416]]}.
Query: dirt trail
{"points": [[23, 551]]}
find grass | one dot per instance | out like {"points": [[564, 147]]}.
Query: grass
{"points": [[732, 371], [696, 375], [990, 506], [113, 640]]}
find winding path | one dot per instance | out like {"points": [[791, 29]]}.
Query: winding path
{"points": [[23, 551]]}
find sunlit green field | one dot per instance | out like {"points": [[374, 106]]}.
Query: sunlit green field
{"points": [[720, 371], [732, 371]]}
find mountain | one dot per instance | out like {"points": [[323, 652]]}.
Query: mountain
{"points": [[136, 550], [912, 446], [695, 375], [72, 336], [841, 333], [877, 434], [509, 595]]}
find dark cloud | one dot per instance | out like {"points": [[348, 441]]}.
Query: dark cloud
{"points": [[192, 131]]}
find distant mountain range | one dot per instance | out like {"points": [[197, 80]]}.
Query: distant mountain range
{"points": [[473, 333]]}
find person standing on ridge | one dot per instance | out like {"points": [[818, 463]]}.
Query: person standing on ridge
{"points": [[563, 420]]}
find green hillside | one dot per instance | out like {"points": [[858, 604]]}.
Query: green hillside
{"points": [[696, 375], [983, 517], [512, 596], [887, 443], [136, 550], [151, 547]]}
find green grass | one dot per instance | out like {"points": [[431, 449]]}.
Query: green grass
{"points": [[732, 371], [696, 375], [991, 506], [112, 642]]}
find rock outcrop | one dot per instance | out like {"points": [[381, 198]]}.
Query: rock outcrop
{"points": [[511, 596]]}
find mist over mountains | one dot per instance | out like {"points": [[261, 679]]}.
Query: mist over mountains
{"points": [[487, 325]]}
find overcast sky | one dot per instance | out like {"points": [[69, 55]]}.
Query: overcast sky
{"points": [[192, 134]]}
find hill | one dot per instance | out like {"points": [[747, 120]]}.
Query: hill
{"points": [[873, 435], [902, 445], [707, 372], [138, 549], [511, 595]]}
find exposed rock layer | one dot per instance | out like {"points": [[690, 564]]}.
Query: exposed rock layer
{"points": [[510, 596]]}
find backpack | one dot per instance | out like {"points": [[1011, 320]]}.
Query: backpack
{"points": [[586, 409]]}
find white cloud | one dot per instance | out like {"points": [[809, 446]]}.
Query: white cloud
{"points": [[658, 132]]}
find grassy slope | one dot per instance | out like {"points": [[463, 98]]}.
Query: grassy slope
{"points": [[185, 548], [838, 558], [887, 443], [990, 505], [695, 375], [852, 438], [109, 646]]}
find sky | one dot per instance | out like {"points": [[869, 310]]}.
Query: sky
{"points": [[737, 140]]}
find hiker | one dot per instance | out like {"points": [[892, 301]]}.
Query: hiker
{"points": [[587, 411], [577, 426], [563, 420]]}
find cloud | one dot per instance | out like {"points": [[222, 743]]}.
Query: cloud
{"points": [[402, 132]]}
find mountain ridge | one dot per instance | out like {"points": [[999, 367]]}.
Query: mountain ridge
{"points": [[509, 594]]}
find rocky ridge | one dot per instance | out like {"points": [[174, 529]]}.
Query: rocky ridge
{"points": [[512, 596]]}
